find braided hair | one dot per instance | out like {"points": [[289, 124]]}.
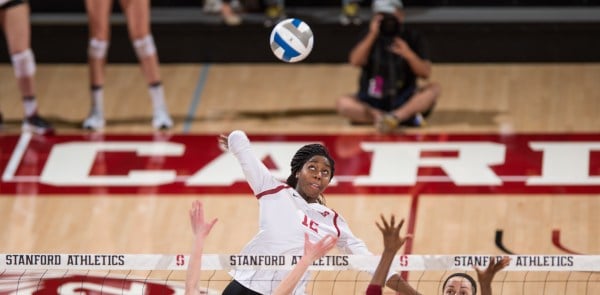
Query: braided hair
{"points": [[302, 156], [465, 276]]}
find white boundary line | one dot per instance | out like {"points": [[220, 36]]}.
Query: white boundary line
{"points": [[15, 158]]}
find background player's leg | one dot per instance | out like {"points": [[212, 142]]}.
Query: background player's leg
{"points": [[15, 22], [98, 12], [138, 23]]}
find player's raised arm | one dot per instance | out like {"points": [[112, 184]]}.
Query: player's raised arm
{"points": [[312, 252], [256, 173], [200, 229]]}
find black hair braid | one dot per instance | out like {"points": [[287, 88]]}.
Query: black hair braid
{"points": [[462, 275], [304, 154]]}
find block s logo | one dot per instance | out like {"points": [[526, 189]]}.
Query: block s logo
{"points": [[180, 260]]}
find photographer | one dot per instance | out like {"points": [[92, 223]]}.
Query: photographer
{"points": [[391, 58]]}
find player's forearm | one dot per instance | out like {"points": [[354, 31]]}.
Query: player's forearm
{"points": [[421, 67], [255, 171], [360, 53], [486, 287], [193, 271], [293, 277], [397, 283], [383, 268]]}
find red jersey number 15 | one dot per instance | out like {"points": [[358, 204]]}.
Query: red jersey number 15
{"points": [[311, 224]]}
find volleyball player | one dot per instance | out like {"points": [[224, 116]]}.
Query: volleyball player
{"points": [[137, 13], [460, 283], [14, 18], [287, 211], [201, 229], [392, 241]]}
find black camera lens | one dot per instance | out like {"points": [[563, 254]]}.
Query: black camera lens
{"points": [[389, 26]]}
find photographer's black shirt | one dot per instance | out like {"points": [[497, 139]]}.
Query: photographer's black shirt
{"points": [[397, 75]]}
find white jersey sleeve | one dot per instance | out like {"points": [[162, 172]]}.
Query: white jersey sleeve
{"points": [[348, 243], [257, 174]]}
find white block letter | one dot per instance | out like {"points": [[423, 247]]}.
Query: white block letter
{"points": [[398, 163], [225, 170], [69, 164], [565, 163]]}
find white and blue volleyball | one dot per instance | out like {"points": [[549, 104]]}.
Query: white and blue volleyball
{"points": [[291, 40]]}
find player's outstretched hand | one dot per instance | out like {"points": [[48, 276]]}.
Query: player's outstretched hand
{"points": [[199, 226], [316, 250], [392, 241], [223, 142]]}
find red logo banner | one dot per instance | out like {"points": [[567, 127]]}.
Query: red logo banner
{"points": [[365, 164]]}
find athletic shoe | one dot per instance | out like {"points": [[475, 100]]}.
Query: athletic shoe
{"points": [[229, 15], [274, 14], [387, 123], [212, 6], [418, 120], [161, 119], [94, 121], [37, 124], [232, 19], [350, 14]]}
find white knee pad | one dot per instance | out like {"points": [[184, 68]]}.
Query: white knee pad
{"points": [[23, 63], [144, 46], [97, 48]]}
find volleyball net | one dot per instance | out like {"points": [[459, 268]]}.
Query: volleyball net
{"points": [[332, 274]]}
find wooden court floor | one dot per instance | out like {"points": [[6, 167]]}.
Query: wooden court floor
{"points": [[280, 99]]}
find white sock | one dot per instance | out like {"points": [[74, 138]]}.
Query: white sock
{"points": [[97, 100], [30, 106], [157, 94]]}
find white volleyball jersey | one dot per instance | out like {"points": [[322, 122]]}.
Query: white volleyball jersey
{"points": [[284, 217]]}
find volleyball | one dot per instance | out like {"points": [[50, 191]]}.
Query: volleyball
{"points": [[291, 40]]}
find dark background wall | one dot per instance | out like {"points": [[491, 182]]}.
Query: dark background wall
{"points": [[456, 31], [74, 6]]}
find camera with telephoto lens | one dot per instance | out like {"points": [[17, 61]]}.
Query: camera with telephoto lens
{"points": [[389, 26]]}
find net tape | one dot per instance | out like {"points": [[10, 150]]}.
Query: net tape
{"points": [[28, 261]]}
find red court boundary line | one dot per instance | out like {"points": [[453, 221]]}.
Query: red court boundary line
{"points": [[412, 221], [556, 242], [410, 228]]}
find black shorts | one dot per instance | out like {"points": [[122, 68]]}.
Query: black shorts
{"points": [[12, 3], [390, 103], [393, 103], [235, 288]]}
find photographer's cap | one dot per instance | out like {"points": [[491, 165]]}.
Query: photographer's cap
{"points": [[386, 6]]}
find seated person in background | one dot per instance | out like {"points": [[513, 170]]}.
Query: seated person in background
{"points": [[391, 58], [227, 8], [275, 11]]}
